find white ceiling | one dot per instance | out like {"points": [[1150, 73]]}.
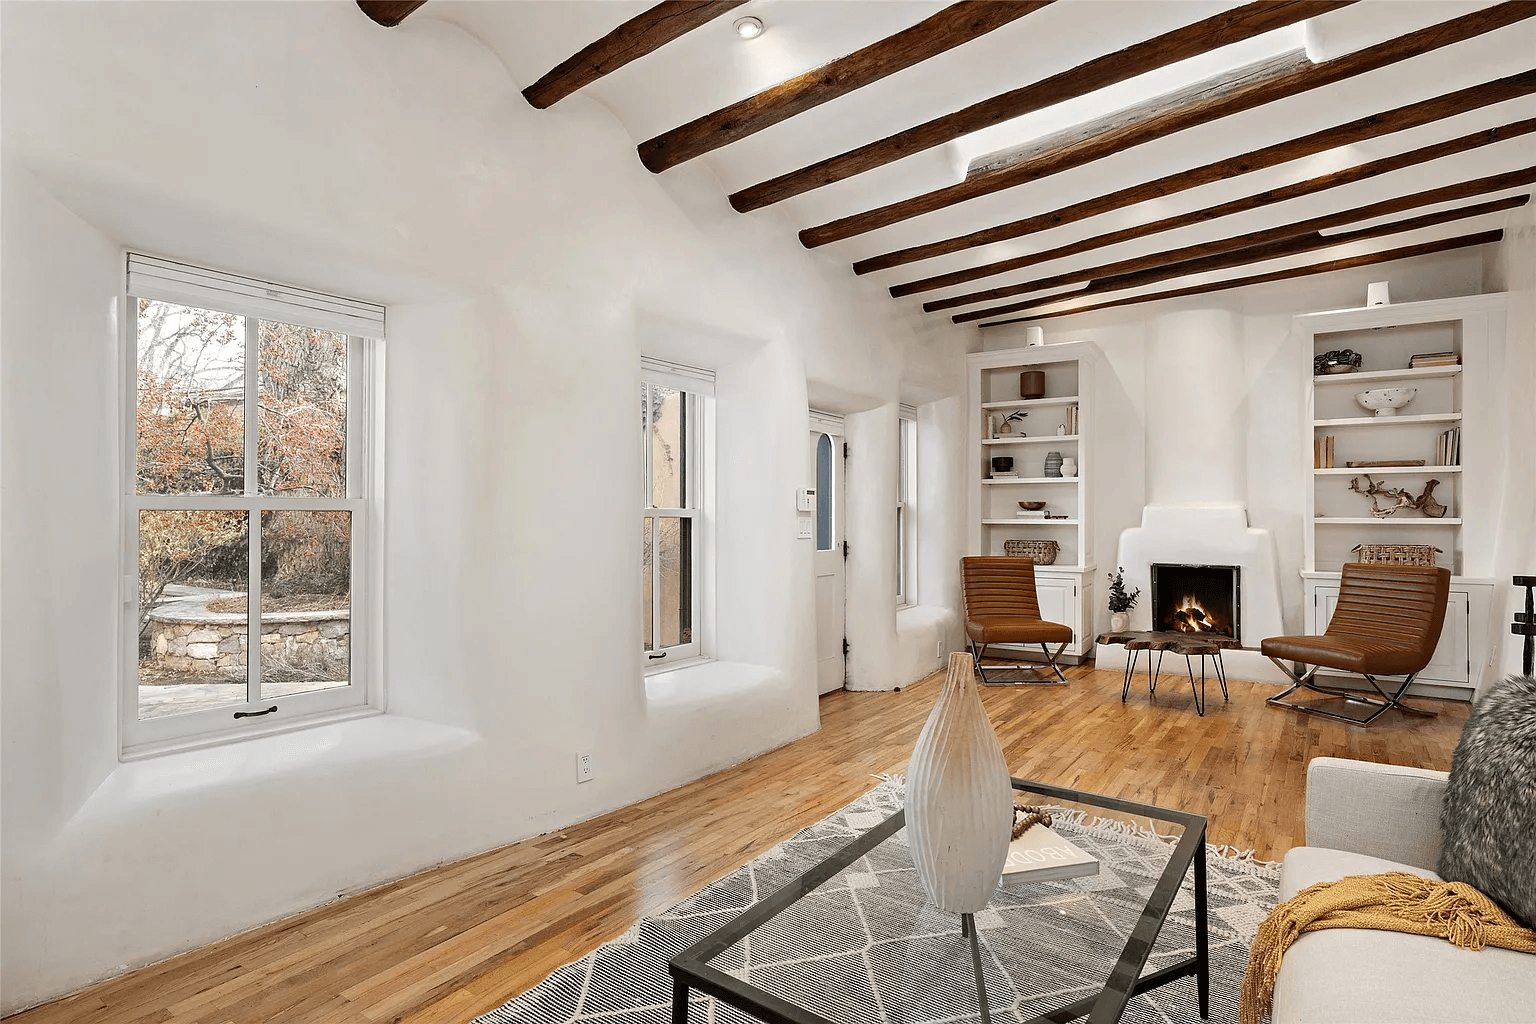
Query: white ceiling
{"points": [[712, 67]]}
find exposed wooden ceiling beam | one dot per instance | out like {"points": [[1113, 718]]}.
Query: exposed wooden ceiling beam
{"points": [[1321, 183], [1157, 118], [1372, 126], [632, 40], [1369, 259], [1270, 249], [1306, 228], [389, 13], [954, 25], [1232, 26]]}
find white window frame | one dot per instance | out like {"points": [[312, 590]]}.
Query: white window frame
{"points": [[698, 388], [165, 280], [906, 507]]}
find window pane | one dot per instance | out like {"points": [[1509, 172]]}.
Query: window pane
{"points": [[192, 570], [191, 400], [676, 571], [667, 438], [824, 538], [306, 601], [901, 551], [648, 582], [301, 426]]}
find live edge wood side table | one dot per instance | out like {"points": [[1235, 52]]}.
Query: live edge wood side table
{"points": [[1191, 645]]}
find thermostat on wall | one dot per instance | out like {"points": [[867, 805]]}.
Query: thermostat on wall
{"points": [[805, 499]]}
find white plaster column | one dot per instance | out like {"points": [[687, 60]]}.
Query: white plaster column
{"points": [[1195, 431]]}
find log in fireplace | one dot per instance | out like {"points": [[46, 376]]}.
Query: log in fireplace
{"points": [[1196, 599]]}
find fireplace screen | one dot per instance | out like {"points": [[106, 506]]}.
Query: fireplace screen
{"points": [[1196, 599]]}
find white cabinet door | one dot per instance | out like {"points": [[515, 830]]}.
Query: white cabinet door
{"points": [[1451, 661], [1059, 603]]}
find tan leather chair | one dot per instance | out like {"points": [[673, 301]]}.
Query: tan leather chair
{"points": [[1001, 607], [1387, 622]]}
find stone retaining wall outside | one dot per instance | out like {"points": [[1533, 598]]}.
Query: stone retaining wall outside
{"points": [[214, 643]]}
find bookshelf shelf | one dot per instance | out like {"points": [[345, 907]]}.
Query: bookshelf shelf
{"points": [[1031, 480], [1031, 522], [1030, 440], [1385, 470], [1389, 421], [1374, 376], [1031, 403], [1391, 521]]}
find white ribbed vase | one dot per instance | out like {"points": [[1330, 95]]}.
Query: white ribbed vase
{"points": [[959, 798]]}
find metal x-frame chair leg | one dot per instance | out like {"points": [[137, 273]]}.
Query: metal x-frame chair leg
{"points": [[1305, 679], [1050, 658]]}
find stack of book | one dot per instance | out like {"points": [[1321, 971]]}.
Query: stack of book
{"points": [[1448, 450], [1041, 855], [1071, 421], [1025, 513], [1010, 475], [1322, 452], [1424, 359]]}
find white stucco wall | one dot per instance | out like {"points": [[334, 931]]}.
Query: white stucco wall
{"points": [[527, 261]]}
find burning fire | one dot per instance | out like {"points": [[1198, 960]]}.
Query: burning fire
{"points": [[1190, 616]]}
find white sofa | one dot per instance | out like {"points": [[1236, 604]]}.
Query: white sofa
{"points": [[1364, 819]]}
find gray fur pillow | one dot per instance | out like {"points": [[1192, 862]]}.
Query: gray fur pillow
{"points": [[1488, 819]]}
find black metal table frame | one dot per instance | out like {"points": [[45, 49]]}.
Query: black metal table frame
{"points": [[1152, 678], [690, 969]]}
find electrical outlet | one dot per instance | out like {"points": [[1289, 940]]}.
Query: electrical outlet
{"points": [[938, 649], [805, 528], [584, 766]]}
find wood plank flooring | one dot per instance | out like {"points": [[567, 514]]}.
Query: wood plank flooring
{"points": [[456, 941]]}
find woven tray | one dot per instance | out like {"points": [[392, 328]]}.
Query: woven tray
{"points": [[1397, 554], [1042, 551]]}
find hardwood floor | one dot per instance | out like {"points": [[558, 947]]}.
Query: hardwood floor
{"points": [[458, 940]]}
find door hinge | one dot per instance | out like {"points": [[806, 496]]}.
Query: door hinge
{"points": [[845, 551], [845, 449], [845, 648]]}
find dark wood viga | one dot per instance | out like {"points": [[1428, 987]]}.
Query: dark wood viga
{"points": [[1387, 622], [1002, 607]]}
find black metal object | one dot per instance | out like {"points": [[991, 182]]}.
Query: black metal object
{"points": [[255, 714], [1154, 676], [1525, 622], [1220, 586], [691, 970], [1305, 679], [1050, 658]]}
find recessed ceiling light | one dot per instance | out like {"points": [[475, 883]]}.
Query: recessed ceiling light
{"points": [[749, 28]]}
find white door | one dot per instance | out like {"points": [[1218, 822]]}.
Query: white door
{"points": [[827, 458]]}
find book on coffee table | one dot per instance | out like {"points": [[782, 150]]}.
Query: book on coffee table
{"points": [[1040, 855]]}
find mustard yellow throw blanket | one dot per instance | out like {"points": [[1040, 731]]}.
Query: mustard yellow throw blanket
{"points": [[1396, 902]]}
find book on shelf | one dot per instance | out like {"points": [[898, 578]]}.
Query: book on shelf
{"points": [[1424, 359], [1448, 448], [1071, 420], [1322, 452], [1040, 855], [1027, 514], [1004, 476]]}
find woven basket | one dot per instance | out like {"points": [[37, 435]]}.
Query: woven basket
{"points": [[1397, 554], [1042, 551]]}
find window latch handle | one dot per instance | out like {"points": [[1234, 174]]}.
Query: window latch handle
{"points": [[255, 714], [653, 657]]}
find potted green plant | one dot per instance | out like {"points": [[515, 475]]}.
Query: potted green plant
{"points": [[1121, 601]]}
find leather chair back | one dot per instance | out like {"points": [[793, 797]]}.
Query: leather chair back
{"points": [[1397, 606], [999, 586]]}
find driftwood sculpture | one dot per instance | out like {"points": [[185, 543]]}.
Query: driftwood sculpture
{"points": [[1401, 498]]}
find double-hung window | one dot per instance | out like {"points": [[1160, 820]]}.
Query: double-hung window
{"points": [[906, 512], [674, 412], [249, 470]]}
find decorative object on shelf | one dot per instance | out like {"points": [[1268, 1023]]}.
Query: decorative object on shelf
{"points": [[1032, 384], [1061, 431], [959, 798], [1384, 463], [1386, 401], [1053, 463], [1401, 498], [1031, 506], [1339, 360], [1396, 554], [1034, 336], [1121, 601], [1005, 427], [1376, 294], [1002, 464], [1069, 467], [1041, 552]]}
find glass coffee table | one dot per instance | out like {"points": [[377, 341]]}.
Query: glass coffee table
{"points": [[852, 940]]}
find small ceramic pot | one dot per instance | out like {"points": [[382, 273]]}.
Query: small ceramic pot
{"points": [[1119, 622], [1069, 467], [1032, 384], [1002, 464]]}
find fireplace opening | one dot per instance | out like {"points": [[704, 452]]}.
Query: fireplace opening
{"points": [[1196, 599]]}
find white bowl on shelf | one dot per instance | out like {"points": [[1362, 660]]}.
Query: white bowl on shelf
{"points": [[1386, 401]]}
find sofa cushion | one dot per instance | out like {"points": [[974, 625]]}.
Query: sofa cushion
{"points": [[1488, 818], [1358, 975]]}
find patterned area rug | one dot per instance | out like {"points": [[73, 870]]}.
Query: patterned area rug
{"points": [[865, 947]]}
